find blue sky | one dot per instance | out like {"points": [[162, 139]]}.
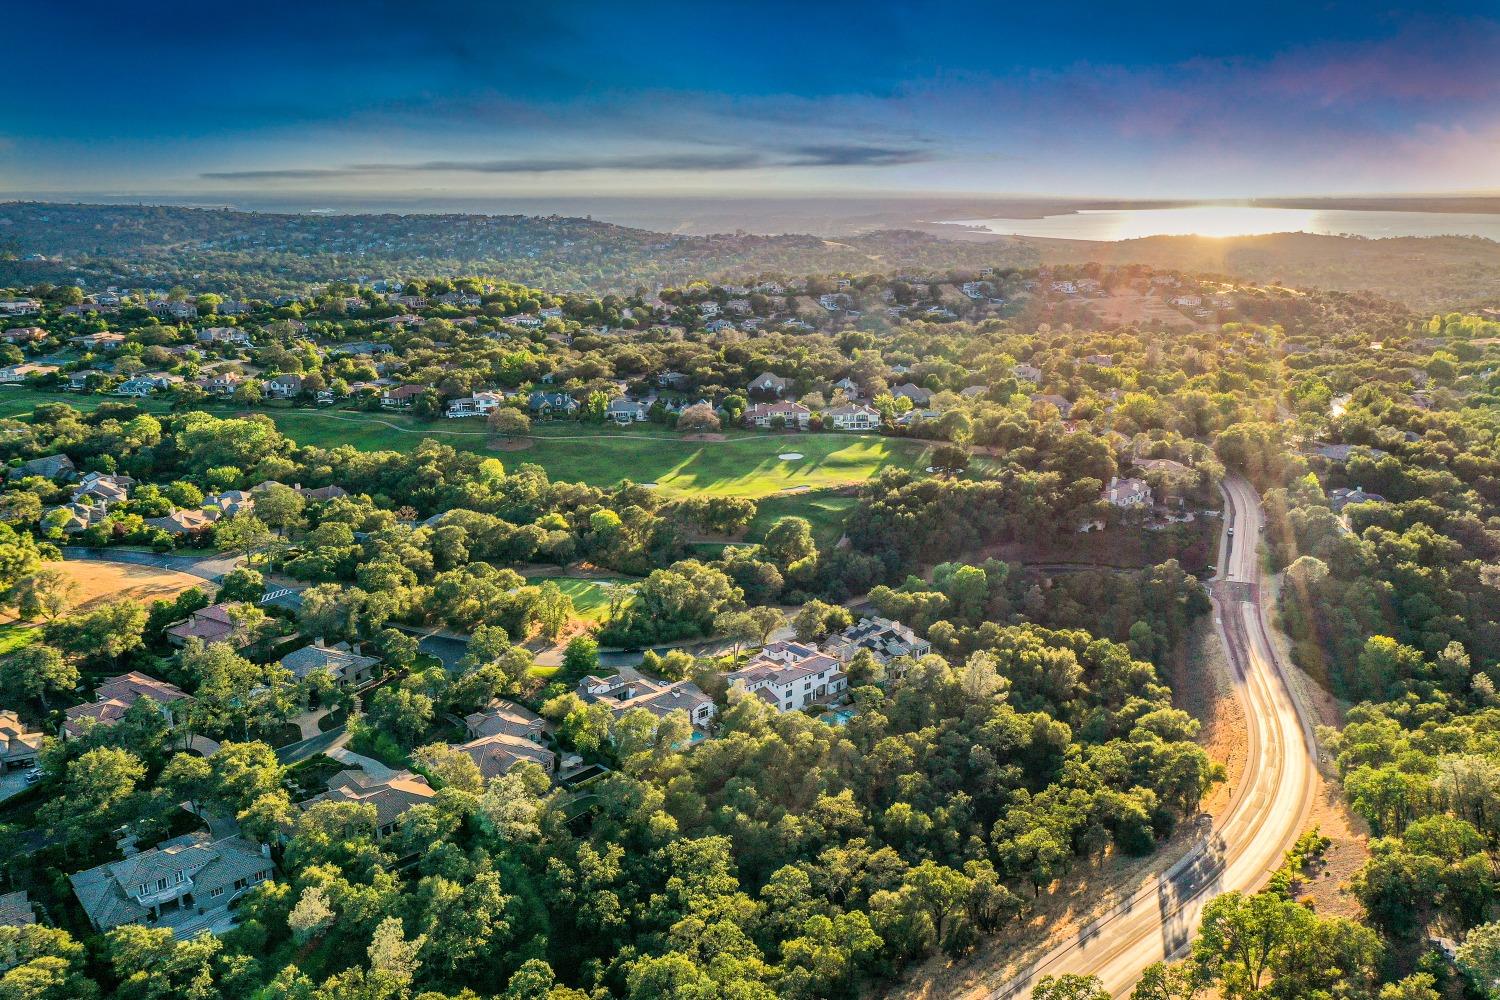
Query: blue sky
{"points": [[1091, 99]]}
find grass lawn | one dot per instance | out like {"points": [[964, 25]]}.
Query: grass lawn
{"points": [[13, 637], [745, 464], [826, 513], [17, 401], [589, 598]]}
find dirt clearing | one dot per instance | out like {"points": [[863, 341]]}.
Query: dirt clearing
{"points": [[111, 581]]}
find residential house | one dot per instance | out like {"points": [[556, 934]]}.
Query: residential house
{"points": [[765, 414], [1127, 493], [1026, 373], [48, 467], [16, 911], [320, 494], [915, 416], [186, 884], [973, 391], [75, 517], [918, 395], [12, 374], [211, 624], [81, 380], [1341, 452], [673, 380], [287, 385], [848, 386], [496, 754], [1064, 408], [1162, 465], [103, 489], [400, 397], [523, 319], [232, 502], [626, 411], [853, 417], [551, 404], [115, 696], [357, 347], [186, 523], [99, 341], [20, 747], [230, 335], [389, 797], [481, 404], [791, 684], [19, 307], [708, 309], [221, 383], [886, 640], [146, 384], [627, 692], [768, 384], [502, 716], [1099, 361], [345, 664], [1340, 498], [169, 309], [23, 335]]}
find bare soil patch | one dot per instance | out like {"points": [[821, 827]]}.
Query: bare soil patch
{"points": [[1124, 306], [111, 581], [514, 444], [705, 436]]}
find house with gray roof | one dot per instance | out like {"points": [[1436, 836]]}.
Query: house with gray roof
{"points": [[389, 797], [626, 692], [497, 753], [48, 467], [186, 884], [548, 404], [885, 639], [16, 910], [503, 716], [626, 411], [340, 660]]}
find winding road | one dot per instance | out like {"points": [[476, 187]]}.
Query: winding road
{"points": [[1267, 811]]}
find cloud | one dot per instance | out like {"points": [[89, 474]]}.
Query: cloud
{"points": [[831, 155], [856, 156]]}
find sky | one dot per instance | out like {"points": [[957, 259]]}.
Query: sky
{"points": [[1109, 99]]}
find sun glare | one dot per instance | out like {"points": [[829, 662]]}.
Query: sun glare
{"points": [[1210, 220]]}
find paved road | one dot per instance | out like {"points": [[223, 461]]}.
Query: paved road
{"points": [[1267, 811]]}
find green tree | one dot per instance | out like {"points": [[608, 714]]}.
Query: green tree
{"points": [[34, 673]]}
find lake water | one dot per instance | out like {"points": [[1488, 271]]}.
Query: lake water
{"points": [[1239, 220]]}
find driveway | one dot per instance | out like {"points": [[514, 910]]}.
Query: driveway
{"points": [[295, 753], [12, 783]]}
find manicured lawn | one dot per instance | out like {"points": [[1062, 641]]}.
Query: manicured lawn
{"points": [[589, 598], [826, 513], [18, 401], [745, 464]]}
